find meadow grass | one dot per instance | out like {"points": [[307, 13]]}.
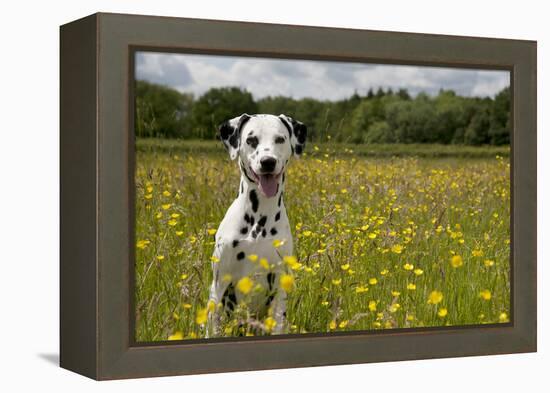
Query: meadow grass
{"points": [[383, 240]]}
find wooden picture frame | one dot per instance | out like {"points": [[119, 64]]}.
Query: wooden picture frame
{"points": [[97, 158]]}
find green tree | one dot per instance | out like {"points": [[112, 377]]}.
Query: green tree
{"points": [[218, 105]]}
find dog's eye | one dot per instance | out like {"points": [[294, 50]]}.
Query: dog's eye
{"points": [[252, 141], [279, 139]]}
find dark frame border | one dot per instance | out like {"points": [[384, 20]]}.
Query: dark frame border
{"points": [[97, 261]]}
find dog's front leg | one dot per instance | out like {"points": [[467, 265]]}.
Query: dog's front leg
{"points": [[279, 311], [213, 328]]}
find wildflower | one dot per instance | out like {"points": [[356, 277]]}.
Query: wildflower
{"points": [[343, 324], [149, 189], [172, 222], [142, 244], [477, 253], [253, 257], [166, 193], [287, 282], [214, 259], [394, 307], [503, 317], [372, 235], [245, 284], [395, 293], [373, 281], [175, 316], [418, 272], [176, 336], [408, 266], [278, 243], [384, 272], [292, 262], [324, 303], [485, 294], [397, 248], [361, 289], [307, 233], [148, 196], [187, 306], [160, 257], [337, 281], [202, 316], [345, 267], [344, 191], [372, 306], [166, 206], [264, 263], [456, 261], [332, 325], [435, 297], [184, 276], [212, 231], [442, 313], [211, 306], [179, 233], [488, 263], [411, 286], [175, 215], [270, 324]]}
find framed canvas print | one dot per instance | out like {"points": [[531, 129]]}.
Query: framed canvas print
{"points": [[241, 196]]}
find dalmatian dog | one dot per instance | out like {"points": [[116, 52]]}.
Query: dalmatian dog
{"points": [[263, 145]]}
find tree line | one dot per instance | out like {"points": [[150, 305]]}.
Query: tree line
{"points": [[381, 116]]}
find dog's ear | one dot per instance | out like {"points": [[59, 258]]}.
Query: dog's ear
{"points": [[297, 132], [230, 134]]}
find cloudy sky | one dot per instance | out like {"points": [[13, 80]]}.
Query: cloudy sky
{"points": [[323, 80]]}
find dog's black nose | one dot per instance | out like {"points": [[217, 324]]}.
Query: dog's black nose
{"points": [[268, 164]]}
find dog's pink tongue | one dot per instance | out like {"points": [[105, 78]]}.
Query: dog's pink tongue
{"points": [[268, 185]]}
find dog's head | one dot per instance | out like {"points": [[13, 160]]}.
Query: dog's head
{"points": [[264, 144]]}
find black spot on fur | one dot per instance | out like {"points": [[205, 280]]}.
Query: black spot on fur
{"points": [[247, 218], [251, 220], [229, 300], [270, 280], [235, 243], [243, 170], [242, 187], [255, 234], [264, 233], [279, 202], [244, 230], [278, 216], [273, 231], [262, 221], [240, 256], [283, 177], [269, 300], [298, 149], [254, 200]]}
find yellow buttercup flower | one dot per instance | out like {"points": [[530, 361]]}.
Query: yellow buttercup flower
{"points": [[264, 263], [253, 257], [214, 259], [245, 284], [384, 272], [212, 231], [373, 281], [176, 336], [343, 324], [332, 325], [166, 206], [503, 318], [418, 272], [488, 263], [345, 266], [278, 243], [411, 286], [397, 248], [408, 266], [337, 281], [477, 253], [270, 324], [202, 316], [166, 193], [160, 257], [442, 313], [287, 282], [485, 294], [372, 306], [456, 261], [435, 297]]}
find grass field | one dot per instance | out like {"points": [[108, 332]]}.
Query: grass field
{"points": [[386, 236]]}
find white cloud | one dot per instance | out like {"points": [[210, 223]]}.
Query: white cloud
{"points": [[301, 78]]}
